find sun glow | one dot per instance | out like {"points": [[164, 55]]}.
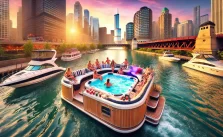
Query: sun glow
{"points": [[72, 30]]}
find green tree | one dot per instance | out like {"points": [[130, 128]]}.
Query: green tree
{"points": [[62, 48], [2, 51], [220, 54], [92, 46], [47, 46], [28, 48]]}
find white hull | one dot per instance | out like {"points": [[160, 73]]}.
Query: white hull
{"points": [[171, 59], [206, 69], [71, 58]]}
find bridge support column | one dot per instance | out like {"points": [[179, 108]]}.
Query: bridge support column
{"points": [[134, 44]]}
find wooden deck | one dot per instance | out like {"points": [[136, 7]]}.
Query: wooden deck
{"points": [[153, 116], [155, 94], [152, 103]]}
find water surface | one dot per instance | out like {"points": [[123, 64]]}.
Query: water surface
{"points": [[194, 103]]}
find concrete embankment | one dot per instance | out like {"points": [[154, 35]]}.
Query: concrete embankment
{"points": [[184, 58], [10, 66]]}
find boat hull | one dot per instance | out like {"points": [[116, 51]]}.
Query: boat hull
{"points": [[204, 69], [27, 82], [71, 59], [170, 59]]}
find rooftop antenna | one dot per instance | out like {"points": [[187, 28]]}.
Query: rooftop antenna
{"points": [[117, 11]]}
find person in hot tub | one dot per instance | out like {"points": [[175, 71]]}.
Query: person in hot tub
{"points": [[120, 71], [108, 84], [96, 75]]}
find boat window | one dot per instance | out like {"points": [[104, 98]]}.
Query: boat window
{"points": [[36, 68], [29, 68], [106, 111], [169, 55], [202, 63], [210, 58]]}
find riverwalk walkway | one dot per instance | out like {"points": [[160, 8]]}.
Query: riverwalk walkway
{"points": [[12, 68]]}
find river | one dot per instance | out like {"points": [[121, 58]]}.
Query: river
{"points": [[194, 103]]}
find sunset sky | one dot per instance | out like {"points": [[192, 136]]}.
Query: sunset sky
{"points": [[105, 9]]}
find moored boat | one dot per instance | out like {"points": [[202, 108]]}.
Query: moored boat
{"points": [[125, 106], [205, 63], [169, 57], [71, 54], [40, 68]]}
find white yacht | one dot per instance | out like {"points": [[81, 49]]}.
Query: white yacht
{"points": [[168, 56], [40, 68], [206, 63], [71, 55]]}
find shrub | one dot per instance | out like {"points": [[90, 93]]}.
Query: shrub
{"points": [[28, 48], [92, 46], [47, 46]]}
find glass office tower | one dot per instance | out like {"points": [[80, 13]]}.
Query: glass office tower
{"points": [[117, 35]]}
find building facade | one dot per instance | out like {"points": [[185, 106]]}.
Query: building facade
{"points": [[217, 15], [70, 27], [44, 19], [185, 28], [86, 21], [78, 15], [176, 23], [155, 30], [103, 35], [117, 30], [204, 18], [165, 24], [19, 25], [196, 19], [129, 31], [95, 30], [4, 20], [143, 24]]}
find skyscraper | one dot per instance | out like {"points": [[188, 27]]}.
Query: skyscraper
{"points": [[155, 31], [165, 24], [19, 25], [86, 21], [143, 23], [95, 23], [176, 23], [196, 20], [44, 18], [185, 28], [129, 31], [91, 26], [117, 30], [4, 19], [103, 35], [78, 16], [70, 27], [217, 15], [204, 18]]}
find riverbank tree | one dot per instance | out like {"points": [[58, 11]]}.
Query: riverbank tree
{"points": [[28, 48]]}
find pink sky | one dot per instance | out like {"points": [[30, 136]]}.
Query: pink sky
{"points": [[105, 10]]}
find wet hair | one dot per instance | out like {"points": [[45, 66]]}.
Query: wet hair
{"points": [[108, 80]]}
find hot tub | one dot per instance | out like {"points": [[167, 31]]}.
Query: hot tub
{"points": [[121, 84]]}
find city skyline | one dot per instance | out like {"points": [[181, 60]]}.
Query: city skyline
{"points": [[105, 11]]}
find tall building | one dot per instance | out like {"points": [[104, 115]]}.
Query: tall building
{"points": [[103, 35], [204, 18], [196, 20], [78, 16], [13, 32], [4, 20], [19, 25], [91, 26], [45, 19], [117, 30], [143, 24], [217, 15], [95, 24], [86, 21], [155, 31], [129, 31], [185, 28], [165, 24], [70, 30], [176, 23]]}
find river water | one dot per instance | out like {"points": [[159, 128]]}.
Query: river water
{"points": [[194, 103]]}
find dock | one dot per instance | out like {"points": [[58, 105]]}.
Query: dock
{"points": [[12, 69]]}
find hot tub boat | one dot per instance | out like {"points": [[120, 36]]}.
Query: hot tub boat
{"points": [[123, 111]]}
